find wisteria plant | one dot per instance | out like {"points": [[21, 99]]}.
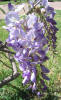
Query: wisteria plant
{"points": [[31, 37]]}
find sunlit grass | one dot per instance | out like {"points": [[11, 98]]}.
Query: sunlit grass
{"points": [[12, 1]]}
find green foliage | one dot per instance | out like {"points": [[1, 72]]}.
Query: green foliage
{"points": [[12, 1], [3, 32]]}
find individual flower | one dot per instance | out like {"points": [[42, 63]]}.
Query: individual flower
{"points": [[19, 7], [45, 3], [11, 18], [10, 6]]}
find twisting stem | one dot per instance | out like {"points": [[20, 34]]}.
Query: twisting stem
{"points": [[14, 75], [8, 79], [7, 51], [37, 3]]}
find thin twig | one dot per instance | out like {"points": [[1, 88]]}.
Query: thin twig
{"points": [[11, 77], [8, 79], [4, 48], [13, 64], [7, 51], [37, 3], [34, 6]]}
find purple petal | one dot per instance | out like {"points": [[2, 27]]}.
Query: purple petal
{"points": [[45, 3], [26, 73], [10, 16], [45, 88], [38, 94], [36, 58], [33, 77], [44, 69], [51, 20], [31, 20], [10, 6], [44, 76], [25, 80], [34, 87]]}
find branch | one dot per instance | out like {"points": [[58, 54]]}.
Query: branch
{"points": [[7, 51], [14, 75], [37, 3], [4, 48], [8, 79], [13, 64]]}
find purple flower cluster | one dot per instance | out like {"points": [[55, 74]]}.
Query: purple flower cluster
{"points": [[50, 13], [27, 38]]}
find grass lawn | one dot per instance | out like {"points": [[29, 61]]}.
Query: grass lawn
{"points": [[12, 1], [5, 2], [15, 91]]}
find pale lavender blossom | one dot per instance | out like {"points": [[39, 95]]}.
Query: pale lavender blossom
{"points": [[31, 20], [45, 3], [11, 18]]}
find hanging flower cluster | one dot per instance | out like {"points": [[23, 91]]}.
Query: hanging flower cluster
{"points": [[51, 28], [27, 36]]}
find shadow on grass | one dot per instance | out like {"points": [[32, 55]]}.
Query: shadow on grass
{"points": [[21, 94], [28, 95], [51, 97]]}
